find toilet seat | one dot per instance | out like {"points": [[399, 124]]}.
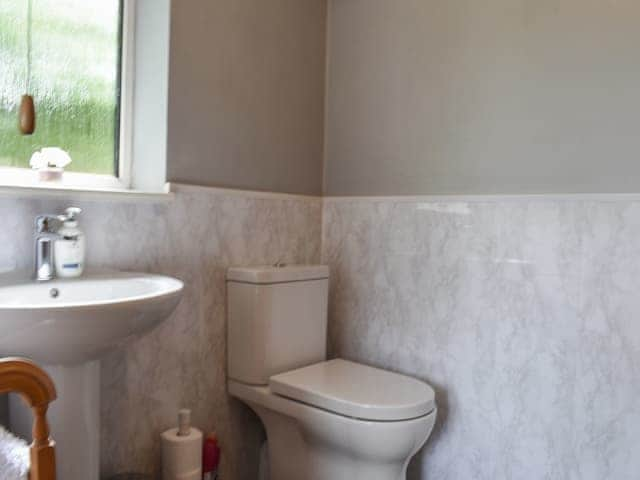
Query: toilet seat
{"points": [[357, 391]]}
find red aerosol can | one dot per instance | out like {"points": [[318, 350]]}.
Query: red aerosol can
{"points": [[210, 457]]}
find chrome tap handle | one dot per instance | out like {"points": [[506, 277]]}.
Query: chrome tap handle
{"points": [[44, 223]]}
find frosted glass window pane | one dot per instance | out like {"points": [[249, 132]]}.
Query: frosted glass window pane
{"points": [[74, 80]]}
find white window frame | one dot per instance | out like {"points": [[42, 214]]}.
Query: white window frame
{"points": [[127, 87], [27, 178]]}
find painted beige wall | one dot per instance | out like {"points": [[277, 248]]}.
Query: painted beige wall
{"points": [[246, 94], [493, 96]]}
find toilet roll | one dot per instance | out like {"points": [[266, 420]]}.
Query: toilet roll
{"points": [[182, 454]]}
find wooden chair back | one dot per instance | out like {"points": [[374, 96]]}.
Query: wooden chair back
{"points": [[22, 376]]}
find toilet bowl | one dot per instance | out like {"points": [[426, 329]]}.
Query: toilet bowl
{"points": [[310, 441], [325, 420]]}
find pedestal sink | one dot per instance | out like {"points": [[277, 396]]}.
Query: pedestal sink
{"points": [[66, 325]]}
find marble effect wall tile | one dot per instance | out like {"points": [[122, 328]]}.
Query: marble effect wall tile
{"points": [[181, 363], [522, 314]]}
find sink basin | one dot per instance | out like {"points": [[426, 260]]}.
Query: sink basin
{"points": [[69, 322]]}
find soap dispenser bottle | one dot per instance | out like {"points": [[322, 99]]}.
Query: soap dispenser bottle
{"points": [[69, 248]]}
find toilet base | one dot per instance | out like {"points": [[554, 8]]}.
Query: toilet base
{"points": [[310, 443]]}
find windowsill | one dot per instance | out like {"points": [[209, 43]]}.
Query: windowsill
{"points": [[24, 182]]}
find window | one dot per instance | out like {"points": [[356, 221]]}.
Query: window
{"points": [[75, 81]]}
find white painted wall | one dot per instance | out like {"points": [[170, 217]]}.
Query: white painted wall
{"points": [[493, 96]]}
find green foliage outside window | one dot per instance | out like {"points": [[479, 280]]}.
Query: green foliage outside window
{"points": [[75, 53]]}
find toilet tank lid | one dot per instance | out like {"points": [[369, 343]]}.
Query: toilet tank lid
{"points": [[281, 273]]}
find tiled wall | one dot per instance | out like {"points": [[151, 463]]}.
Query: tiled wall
{"points": [[521, 312], [194, 237], [524, 314]]}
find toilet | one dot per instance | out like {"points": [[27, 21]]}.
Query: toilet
{"points": [[324, 419]]}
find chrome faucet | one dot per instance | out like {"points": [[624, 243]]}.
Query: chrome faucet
{"points": [[44, 238]]}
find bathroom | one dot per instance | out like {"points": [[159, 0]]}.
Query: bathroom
{"points": [[468, 171]]}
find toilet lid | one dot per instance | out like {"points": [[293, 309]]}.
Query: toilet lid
{"points": [[356, 391]]}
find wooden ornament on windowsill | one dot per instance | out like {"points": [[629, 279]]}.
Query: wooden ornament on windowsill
{"points": [[27, 115]]}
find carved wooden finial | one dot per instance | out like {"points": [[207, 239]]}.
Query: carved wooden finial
{"points": [[22, 376]]}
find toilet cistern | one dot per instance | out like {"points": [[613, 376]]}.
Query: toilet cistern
{"points": [[325, 420]]}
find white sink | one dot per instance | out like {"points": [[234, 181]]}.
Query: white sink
{"points": [[68, 322]]}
